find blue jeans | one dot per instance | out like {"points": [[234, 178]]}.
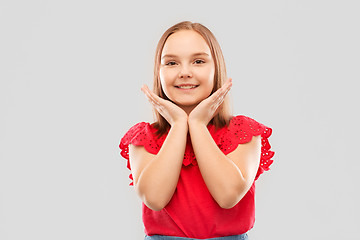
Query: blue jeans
{"points": [[162, 237]]}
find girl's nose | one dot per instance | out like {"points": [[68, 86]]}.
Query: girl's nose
{"points": [[185, 73]]}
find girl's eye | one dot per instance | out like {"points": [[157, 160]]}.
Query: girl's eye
{"points": [[171, 63], [199, 61]]}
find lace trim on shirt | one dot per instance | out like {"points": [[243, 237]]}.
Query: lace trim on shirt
{"points": [[240, 130], [140, 134]]}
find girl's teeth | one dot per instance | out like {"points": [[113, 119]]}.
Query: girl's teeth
{"points": [[187, 87]]}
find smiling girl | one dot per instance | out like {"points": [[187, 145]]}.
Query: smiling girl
{"points": [[195, 167]]}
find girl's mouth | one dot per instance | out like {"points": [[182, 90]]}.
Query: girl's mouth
{"points": [[187, 86]]}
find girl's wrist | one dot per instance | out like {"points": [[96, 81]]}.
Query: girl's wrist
{"points": [[195, 123], [180, 122]]}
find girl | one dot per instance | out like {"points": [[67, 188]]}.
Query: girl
{"points": [[195, 167]]}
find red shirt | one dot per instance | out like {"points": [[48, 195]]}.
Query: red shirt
{"points": [[192, 212]]}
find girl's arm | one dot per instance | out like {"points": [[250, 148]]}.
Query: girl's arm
{"points": [[228, 177], [156, 176]]}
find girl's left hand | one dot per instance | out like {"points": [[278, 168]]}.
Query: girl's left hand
{"points": [[208, 107]]}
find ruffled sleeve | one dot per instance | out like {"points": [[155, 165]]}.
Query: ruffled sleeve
{"points": [[241, 130], [140, 134]]}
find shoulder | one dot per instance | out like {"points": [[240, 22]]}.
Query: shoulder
{"points": [[243, 121], [140, 134], [241, 130], [144, 134], [139, 126], [247, 127], [140, 129]]}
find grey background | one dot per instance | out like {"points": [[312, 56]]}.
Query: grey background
{"points": [[71, 73]]}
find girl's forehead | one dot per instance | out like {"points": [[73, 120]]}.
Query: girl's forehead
{"points": [[185, 42]]}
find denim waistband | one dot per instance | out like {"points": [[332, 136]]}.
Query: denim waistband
{"points": [[243, 236]]}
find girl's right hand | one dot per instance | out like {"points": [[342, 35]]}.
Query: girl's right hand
{"points": [[170, 111]]}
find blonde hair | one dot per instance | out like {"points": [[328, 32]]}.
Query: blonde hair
{"points": [[223, 116]]}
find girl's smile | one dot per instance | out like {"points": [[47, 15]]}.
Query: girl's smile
{"points": [[187, 87]]}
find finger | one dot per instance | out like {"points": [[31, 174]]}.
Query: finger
{"points": [[228, 89], [228, 84], [144, 89], [153, 96], [221, 92], [219, 101], [149, 96], [217, 104], [213, 98], [154, 99], [222, 97]]}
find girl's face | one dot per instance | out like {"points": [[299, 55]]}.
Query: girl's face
{"points": [[187, 69]]}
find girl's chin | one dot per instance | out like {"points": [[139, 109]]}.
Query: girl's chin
{"points": [[187, 104]]}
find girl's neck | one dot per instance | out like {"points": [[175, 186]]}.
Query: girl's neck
{"points": [[187, 109]]}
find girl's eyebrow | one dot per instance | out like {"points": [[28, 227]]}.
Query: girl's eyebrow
{"points": [[194, 55]]}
